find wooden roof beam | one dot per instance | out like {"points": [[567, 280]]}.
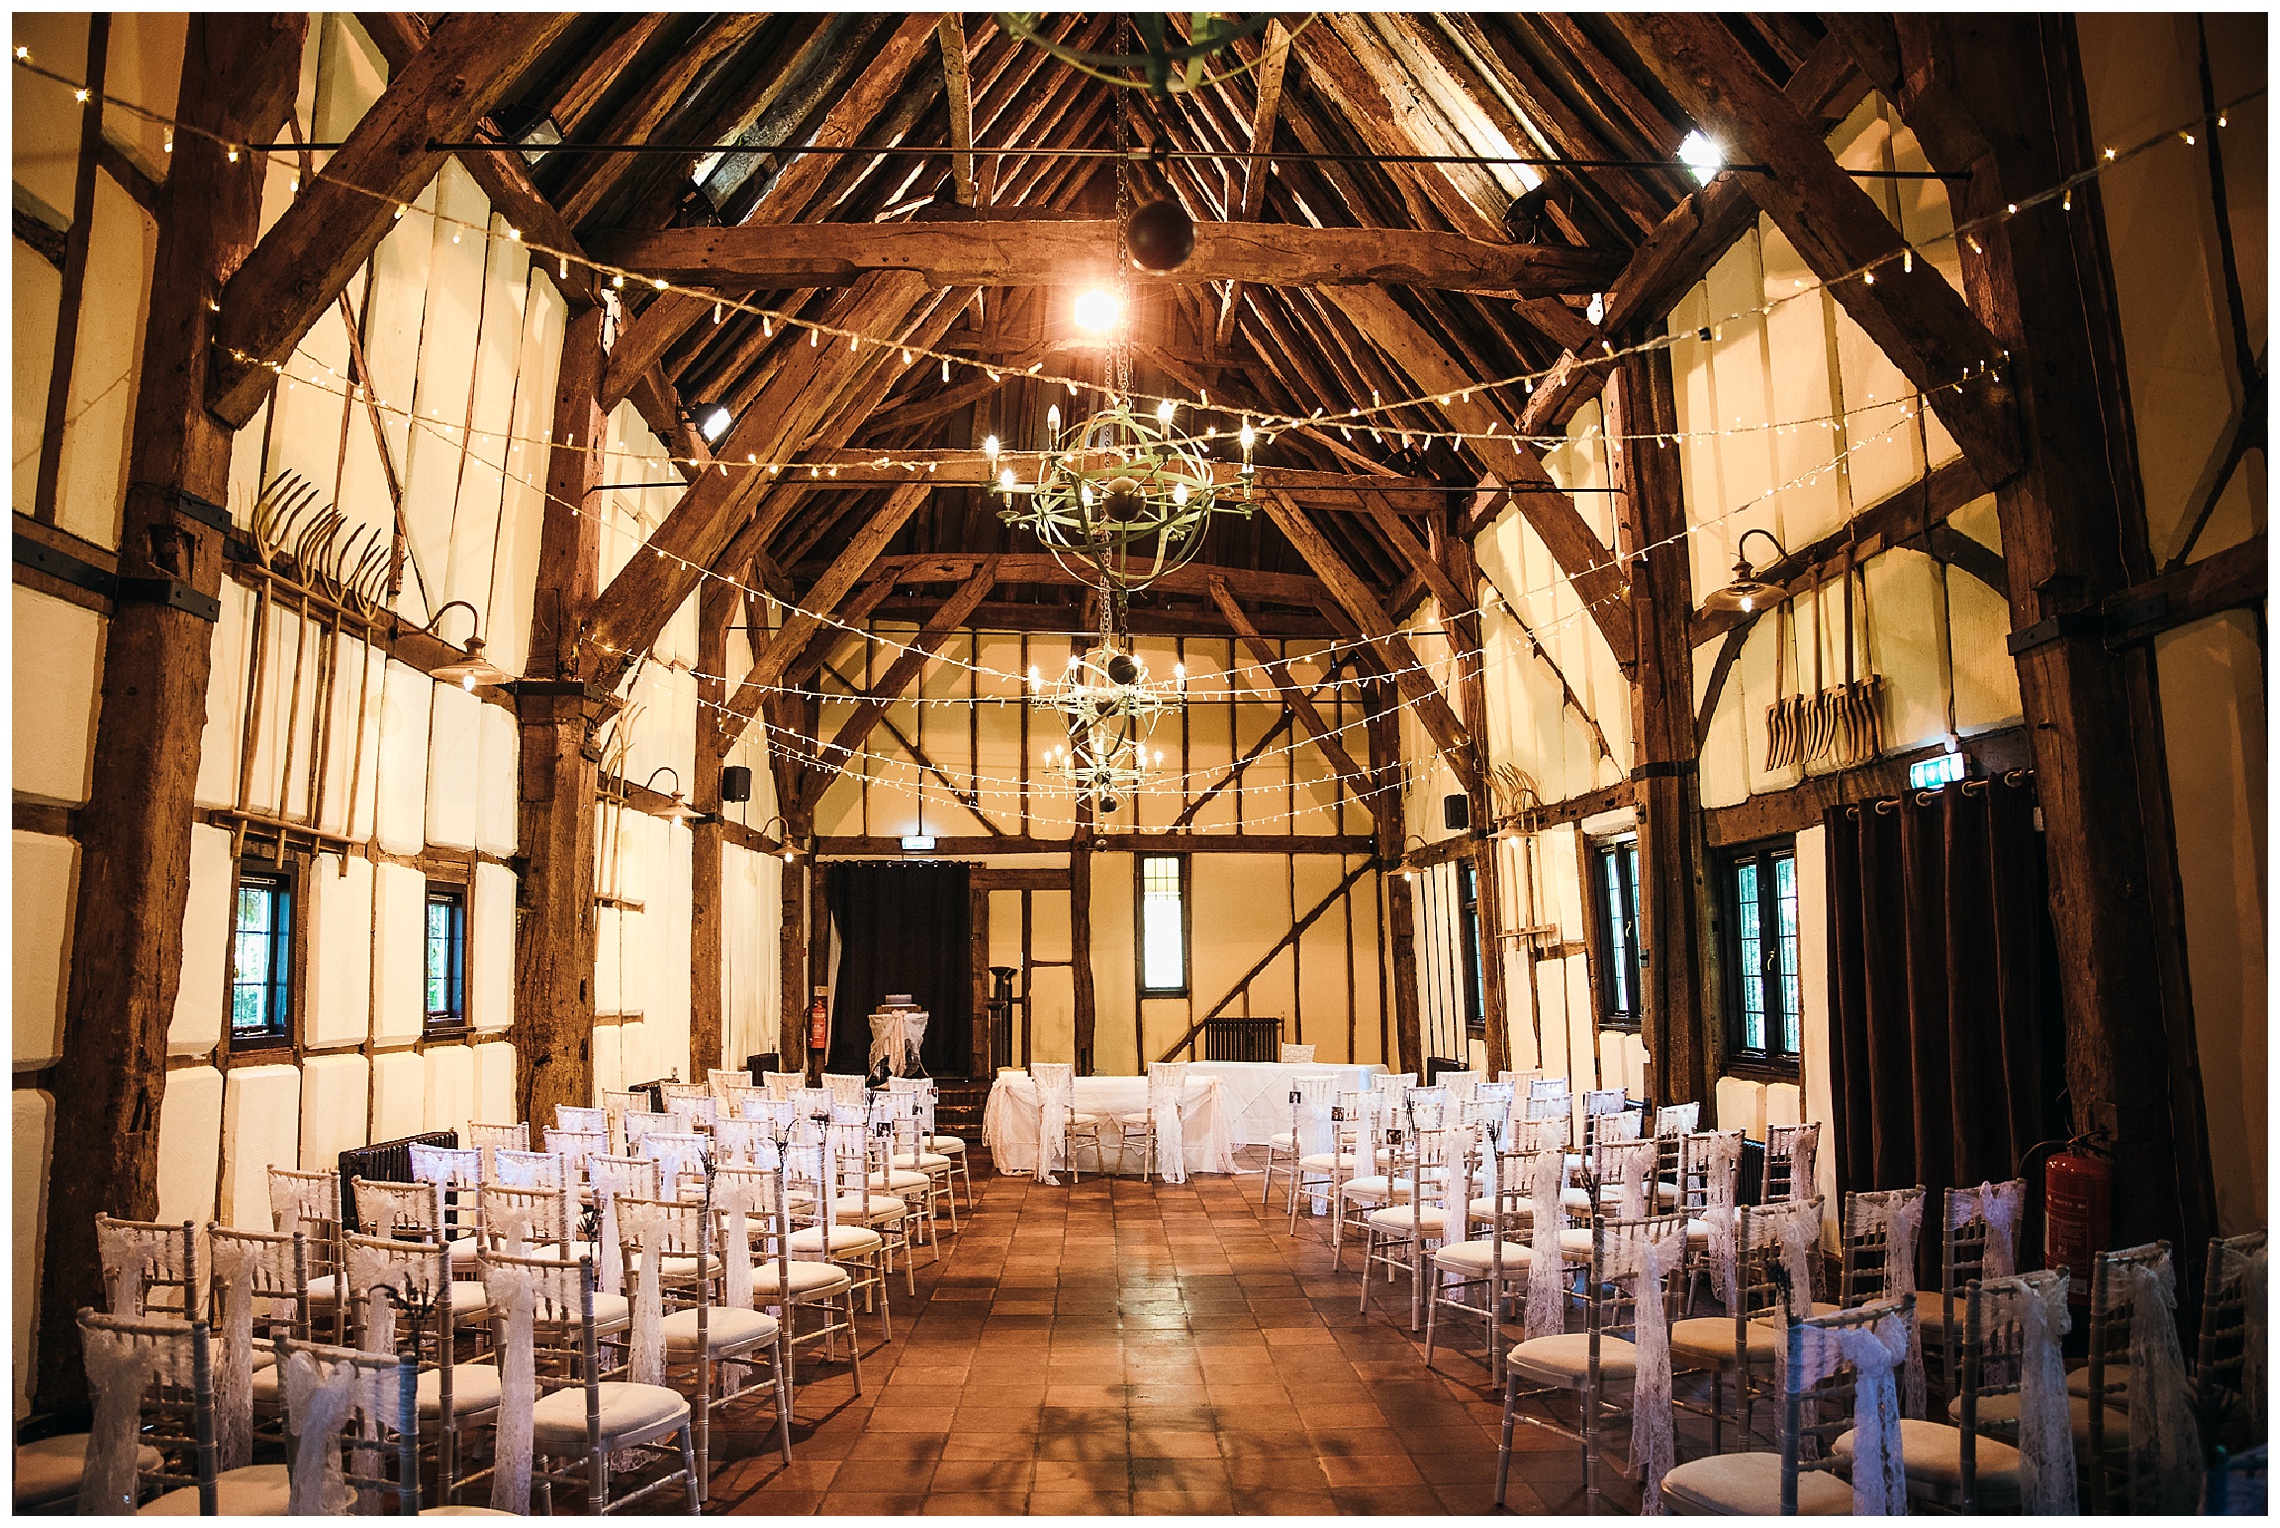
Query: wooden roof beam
{"points": [[1274, 54], [1920, 322], [308, 256], [594, 176], [1351, 776], [958, 85]]}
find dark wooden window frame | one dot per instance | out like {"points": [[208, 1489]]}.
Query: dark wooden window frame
{"points": [[292, 949], [452, 1019], [1772, 1061], [1470, 957], [1615, 963], [1186, 987]]}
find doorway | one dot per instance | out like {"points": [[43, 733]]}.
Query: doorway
{"points": [[901, 927]]}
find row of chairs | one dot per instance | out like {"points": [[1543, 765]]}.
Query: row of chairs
{"points": [[544, 1301]]}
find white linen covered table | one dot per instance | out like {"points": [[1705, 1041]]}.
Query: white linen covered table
{"points": [[1256, 1094], [1009, 1122], [896, 1035]]}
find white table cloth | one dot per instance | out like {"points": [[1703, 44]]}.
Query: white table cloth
{"points": [[1009, 1122], [896, 1035], [1256, 1094]]}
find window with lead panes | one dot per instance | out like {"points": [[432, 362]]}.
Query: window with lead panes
{"points": [[1615, 878], [1163, 923], [261, 959], [1766, 1023], [446, 957]]}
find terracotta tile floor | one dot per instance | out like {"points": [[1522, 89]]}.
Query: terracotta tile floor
{"points": [[1114, 1346]]}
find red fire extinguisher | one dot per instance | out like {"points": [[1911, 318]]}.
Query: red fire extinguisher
{"points": [[2078, 1204], [819, 1021]]}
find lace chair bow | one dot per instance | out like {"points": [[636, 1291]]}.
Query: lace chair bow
{"points": [[1894, 1218], [1056, 1102], [1875, 1350], [1167, 1081]]}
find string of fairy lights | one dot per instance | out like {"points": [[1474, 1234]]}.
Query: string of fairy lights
{"points": [[1377, 418]]}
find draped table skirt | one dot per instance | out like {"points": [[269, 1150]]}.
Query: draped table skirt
{"points": [[1009, 1122], [1256, 1094]]}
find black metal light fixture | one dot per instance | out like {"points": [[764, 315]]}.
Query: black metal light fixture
{"points": [[711, 419], [678, 808], [1747, 592], [474, 669]]}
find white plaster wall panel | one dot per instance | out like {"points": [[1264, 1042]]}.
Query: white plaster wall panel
{"points": [[450, 1088], [1813, 984], [31, 1138], [609, 1072], [1986, 679], [399, 1095], [749, 1009], [335, 1097], [392, 324], [143, 64], [1552, 1013], [309, 411], [283, 710], [1052, 1012], [677, 643], [455, 776], [1370, 1023], [1115, 983], [1741, 1106], [637, 1057], [92, 468], [1724, 762], [522, 505], [448, 331], [498, 751], [399, 962], [1321, 966], [57, 671], [46, 870], [1904, 604], [1210, 729], [261, 1129], [221, 743], [38, 296], [2213, 678], [1884, 453], [474, 529], [1738, 366], [672, 947], [400, 773], [495, 1083], [349, 757], [1784, 1104], [491, 948], [609, 962], [200, 1000], [353, 73], [45, 129], [189, 1144], [339, 979]]}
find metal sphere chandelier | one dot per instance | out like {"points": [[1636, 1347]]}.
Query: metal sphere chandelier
{"points": [[1125, 494], [1109, 707], [1161, 64]]}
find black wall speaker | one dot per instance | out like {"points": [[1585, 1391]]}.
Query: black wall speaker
{"points": [[1456, 813], [736, 783]]}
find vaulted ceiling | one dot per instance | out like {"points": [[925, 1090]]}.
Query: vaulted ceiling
{"points": [[1346, 111]]}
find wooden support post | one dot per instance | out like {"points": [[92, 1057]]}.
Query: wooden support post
{"points": [[1488, 897], [716, 608], [238, 77], [2071, 526], [818, 943], [1681, 1051], [555, 944], [1399, 905], [1080, 944], [787, 768]]}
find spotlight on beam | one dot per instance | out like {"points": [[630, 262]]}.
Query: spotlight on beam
{"points": [[1097, 311], [711, 419], [1704, 155]]}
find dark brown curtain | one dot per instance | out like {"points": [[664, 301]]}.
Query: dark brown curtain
{"points": [[1946, 1041], [902, 928]]}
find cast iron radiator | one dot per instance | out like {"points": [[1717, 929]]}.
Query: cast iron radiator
{"points": [[382, 1162]]}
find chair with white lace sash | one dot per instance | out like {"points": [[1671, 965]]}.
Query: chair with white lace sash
{"points": [[1831, 1364], [668, 1093], [529, 1169], [1709, 1176], [310, 1203], [1163, 1145], [1673, 1124], [457, 1173], [1769, 1278], [784, 1084], [907, 1169], [537, 1219], [416, 1211], [1883, 1231], [737, 1097], [1600, 1106], [737, 1141], [814, 1177], [678, 1325], [636, 1124], [152, 1384], [2228, 1363], [1059, 1126], [260, 1290], [847, 1087], [1790, 1152], [560, 1422], [948, 1148], [1319, 1154], [344, 1412], [1358, 1183], [576, 1148], [1397, 1236], [680, 1156], [2152, 1460], [150, 1267], [1979, 1230], [608, 1177], [1294, 1055], [1618, 1182], [487, 1139], [585, 1121], [719, 1079], [401, 1302], [689, 1114], [861, 1151], [1495, 1261], [752, 1204], [1626, 1289], [2014, 1369], [1308, 1100]]}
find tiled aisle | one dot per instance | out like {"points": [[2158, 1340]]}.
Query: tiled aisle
{"points": [[1113, 1346]]}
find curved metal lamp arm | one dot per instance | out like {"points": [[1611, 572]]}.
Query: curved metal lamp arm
{"points": [[436, 619], [1780, 551]]}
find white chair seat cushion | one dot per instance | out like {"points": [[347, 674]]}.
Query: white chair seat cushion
{"points": [[1710, 1340], [2002, 1411], [1749, 1485], [846, 1241], [727, 1329], [470, 1303], [630, 1414], [1477, 1258], [2117, 1380], [474, 1389], [807, 1279], [948, 1145], [256, 1490], [1575, 1244], [897, 1181], [324, 1290], [1328, 1161], [924, 1162], [1931, 1310], [870, 1206], [1933, 1452], [1401, 1219], [465, 1512], [49, 1471], [1376, 1187], [1282, 1140], [679, 1269], [1564, 1360], [1575, 1201], [610, 1313]]}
